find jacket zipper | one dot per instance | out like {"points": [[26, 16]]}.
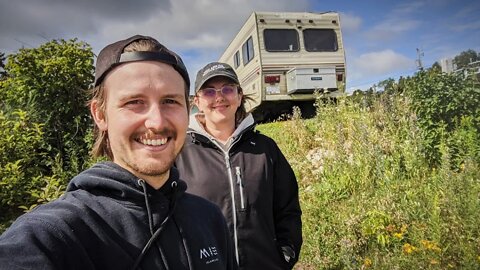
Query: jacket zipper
{"points": [[240, 184], [234, 208], [232, 192]]}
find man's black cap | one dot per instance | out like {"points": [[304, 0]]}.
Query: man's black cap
{"points": [[214, 69], [112, 55]]}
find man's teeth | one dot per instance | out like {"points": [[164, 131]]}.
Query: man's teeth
{"points": [[154, 142]]}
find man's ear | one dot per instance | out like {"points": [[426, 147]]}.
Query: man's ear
{"points": [[98, 115]]}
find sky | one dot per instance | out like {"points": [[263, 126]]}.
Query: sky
{"points": [[382, 39]]}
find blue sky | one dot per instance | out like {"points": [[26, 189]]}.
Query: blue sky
{"points": [[381, 37]]}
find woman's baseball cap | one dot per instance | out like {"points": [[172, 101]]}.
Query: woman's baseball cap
{"points": [[214, 69]]}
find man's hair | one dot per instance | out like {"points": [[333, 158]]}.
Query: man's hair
{"points": [[101, 146]]}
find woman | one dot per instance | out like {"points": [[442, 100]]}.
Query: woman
{"points": [[243, 172]]}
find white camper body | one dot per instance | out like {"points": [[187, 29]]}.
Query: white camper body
{"points": [[284, 58]]}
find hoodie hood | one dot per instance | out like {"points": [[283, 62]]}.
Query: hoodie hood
{"points": [[115, 181], [196, 126]]}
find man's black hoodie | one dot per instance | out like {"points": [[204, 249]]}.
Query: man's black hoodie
{"points": [[110, 219]]}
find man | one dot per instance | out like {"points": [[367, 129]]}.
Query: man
{"points": [[130, 212]]}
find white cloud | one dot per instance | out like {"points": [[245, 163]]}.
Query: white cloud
{"points": [[180, 24], [380, 63], [391, 28], [350, 22], [466, 26], [408, 8]]}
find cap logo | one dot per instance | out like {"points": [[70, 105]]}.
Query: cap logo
{"points": [[213, 68]]}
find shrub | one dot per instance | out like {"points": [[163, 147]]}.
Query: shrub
{"points": [[20, 139], [49, 83], [440, 102]]}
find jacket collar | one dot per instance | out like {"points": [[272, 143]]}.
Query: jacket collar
{"points": [[197, 127]]}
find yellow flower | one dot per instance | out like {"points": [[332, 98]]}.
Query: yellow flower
{"points": [[367, 262], [398, 235], [430, 245], [407, 248], [433, 261]]}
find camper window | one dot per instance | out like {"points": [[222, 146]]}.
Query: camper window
{"points": [[247, 51], [320, 40], [236, 59], [281, 40]]}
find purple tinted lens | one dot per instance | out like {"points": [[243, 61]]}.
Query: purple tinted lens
{"points": [[209, 92], [212, 92], [228, 90]]}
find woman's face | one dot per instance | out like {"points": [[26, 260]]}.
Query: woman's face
{"points": [[219, 99]]}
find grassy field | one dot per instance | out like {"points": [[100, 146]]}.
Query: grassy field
{"points": [[370, 199], [385, 183]]}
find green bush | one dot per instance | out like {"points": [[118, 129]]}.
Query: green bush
{"points": [[440, 102], [50, 83], [42, 152], [20, 139]]}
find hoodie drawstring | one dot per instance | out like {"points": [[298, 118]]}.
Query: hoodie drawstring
{"points": [[147, 204], [150, 220]]}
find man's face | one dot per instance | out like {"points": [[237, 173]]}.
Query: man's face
{"points": [[145, 117]]}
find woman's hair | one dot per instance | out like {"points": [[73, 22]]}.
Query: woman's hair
{"points": [[241, 112], [101, 146]]}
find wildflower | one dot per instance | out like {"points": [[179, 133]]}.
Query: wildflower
{"points": [[398, 235], [407, 248], [367, 262], [433, 262], [430, 245]]}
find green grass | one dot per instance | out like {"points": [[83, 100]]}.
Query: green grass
{"points": [[369, 198]]}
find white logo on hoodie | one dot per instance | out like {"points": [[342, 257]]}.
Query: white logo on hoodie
{"points": [[210, 254]]}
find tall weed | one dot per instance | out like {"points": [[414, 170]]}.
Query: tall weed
{"points": [[369, 196]]}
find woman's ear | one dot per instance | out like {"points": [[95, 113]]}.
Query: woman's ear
{"points": [[98, 115], [240, 97], [195, 100]]}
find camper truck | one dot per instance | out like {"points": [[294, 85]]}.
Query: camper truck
{"points": [[286, 59]]}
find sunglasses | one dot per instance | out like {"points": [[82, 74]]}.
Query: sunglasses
{"points": [[226, 90]]}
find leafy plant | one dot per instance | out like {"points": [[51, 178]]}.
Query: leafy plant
{"points": [[20, 139], [440, 102], [50, 83]]}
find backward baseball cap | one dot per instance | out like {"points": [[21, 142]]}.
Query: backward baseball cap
{"points": [[112, 55], [214, 69]]}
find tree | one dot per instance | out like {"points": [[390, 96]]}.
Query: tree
{"points": [[50, 84], [466, 57], [436, 66], [3, 74]]}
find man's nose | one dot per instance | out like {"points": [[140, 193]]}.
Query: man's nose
{"points": [[155, 118]]}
